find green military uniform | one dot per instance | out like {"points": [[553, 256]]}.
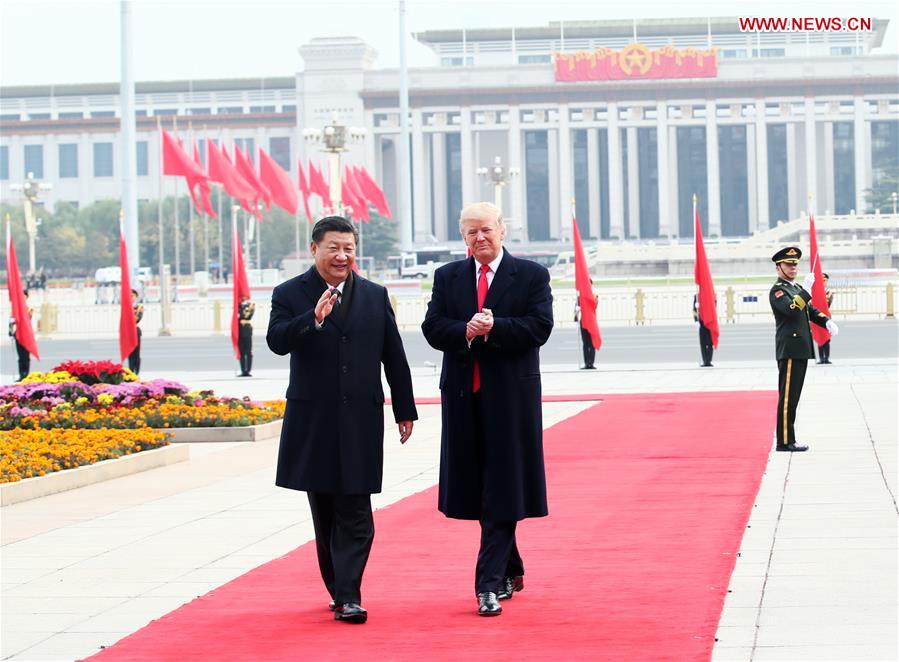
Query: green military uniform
{"points": [[793, 311], [134, 356], [245, 336]]}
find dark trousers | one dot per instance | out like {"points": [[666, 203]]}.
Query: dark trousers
{"points": [[344, 531], [790, 377], [824, 352], [589, 350], [24, 360], [134, 357], [498, 555], [245, 348], [705, 344]]}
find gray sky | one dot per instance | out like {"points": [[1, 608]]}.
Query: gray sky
{"points": [[44, 42]]}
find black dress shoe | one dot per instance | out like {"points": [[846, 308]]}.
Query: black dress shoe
{"points": [[792, 448], [488, 605], [510, 586], [351, 613]]}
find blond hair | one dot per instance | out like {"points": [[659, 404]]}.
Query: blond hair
{"points": [[481, 211]]}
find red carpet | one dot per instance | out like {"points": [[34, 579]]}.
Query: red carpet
{"points": [[649, 497]]}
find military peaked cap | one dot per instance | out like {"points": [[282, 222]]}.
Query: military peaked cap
{"points": [[790, 254]]}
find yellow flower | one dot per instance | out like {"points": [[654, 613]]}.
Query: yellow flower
{"points": [[80, 400], [105, 399]]}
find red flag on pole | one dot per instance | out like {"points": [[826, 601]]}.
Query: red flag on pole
{"points": [[819, 296], [241, 284], [318, 185], [205, 190], [708, 302], [175, 161], [127, 322], [373, 192], [221, 170], [355, 187], [304, 189], [582, 281], [274, 177], [18, 303], [248, 172]]}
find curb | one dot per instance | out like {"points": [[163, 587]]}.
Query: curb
{"points": [[69, 479], [260, 432]]}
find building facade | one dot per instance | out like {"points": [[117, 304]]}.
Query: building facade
{"points": [[790, 122]]}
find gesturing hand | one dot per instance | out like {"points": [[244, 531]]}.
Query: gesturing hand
{"points": [[325, 304], [833, 328]]}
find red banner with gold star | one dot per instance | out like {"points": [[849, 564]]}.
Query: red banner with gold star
{"points": [[636, 62]]}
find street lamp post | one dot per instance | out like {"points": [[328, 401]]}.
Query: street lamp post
{"points": [[498, 175], [893, 197], [334, 139], [31, 190]]}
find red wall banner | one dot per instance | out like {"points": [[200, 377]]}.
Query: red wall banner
{"points": [[636, 62]]}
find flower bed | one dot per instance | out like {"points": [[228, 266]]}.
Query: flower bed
{"points": [[83, 412], [29, 453]]}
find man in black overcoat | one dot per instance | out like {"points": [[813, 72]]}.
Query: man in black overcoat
{"points": [[338, 328], [489, 315], [793, 310]]}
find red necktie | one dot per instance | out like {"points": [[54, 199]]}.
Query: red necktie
{"points": [[482, 296]]}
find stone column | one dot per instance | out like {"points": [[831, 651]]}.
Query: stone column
{"points": [[633, 183], [421, 170], [565, 180], [593, 179], [827, 184], [713, 175], [466, 149], [793, 202], [811, 201], [861, 137], [616, 189], [438, 186], [518, 183], [552, 149], [662, 169], [761, 167]]}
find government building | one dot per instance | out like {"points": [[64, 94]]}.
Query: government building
{"points": [[618, 123]]}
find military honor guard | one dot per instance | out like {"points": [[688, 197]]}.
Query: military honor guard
{"points": [[793, 312], [824, 350], [134, 356], [706, 348], [21, 352], [245, 336]]}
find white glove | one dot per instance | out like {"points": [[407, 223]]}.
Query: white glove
{"points": [[697, 324], [833, 328], [809, 281]]}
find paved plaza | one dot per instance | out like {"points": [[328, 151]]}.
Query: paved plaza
{"points": [[816, 578]]}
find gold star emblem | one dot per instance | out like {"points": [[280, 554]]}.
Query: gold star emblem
{"points": [[635, 59]]}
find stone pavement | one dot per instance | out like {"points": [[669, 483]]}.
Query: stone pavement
{"points": [[816, 578]]}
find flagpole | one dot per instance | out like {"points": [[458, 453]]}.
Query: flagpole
{"points": [[164, 329], [205, 217], [578, 343], [221, 238], [191, 217], [177, 228]]}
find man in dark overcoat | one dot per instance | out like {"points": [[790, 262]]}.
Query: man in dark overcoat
{"points": [[793, 311], [339, 328], [489, 315]]}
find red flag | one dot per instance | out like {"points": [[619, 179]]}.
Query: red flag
{"points": [[127, 322], [318, 185], [373, 192], [175, 161], [356, 189], [358, 206], [585, 297], [241, 285], [819, 297], [304, 189], [283, 192], [205, 190], [221, 170], [248, 172], [19, 305], [708, 302]]}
